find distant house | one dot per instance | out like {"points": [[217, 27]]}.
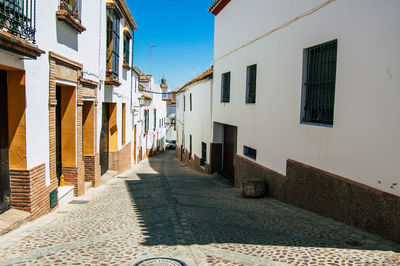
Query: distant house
{"points": [[193, 122], [306, 96], [149, 120]]}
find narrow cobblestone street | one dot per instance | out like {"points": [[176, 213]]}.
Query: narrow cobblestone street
{"points": [[163, 209]]}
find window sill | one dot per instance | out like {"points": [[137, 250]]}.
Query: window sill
{"points": [[112, 81], [316, 124], [64, 15], [18, 45], [126, 66]]}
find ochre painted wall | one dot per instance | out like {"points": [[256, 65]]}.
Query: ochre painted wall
{"points": [[68, 144], [113, 132], [16, 119], [88, 128]]}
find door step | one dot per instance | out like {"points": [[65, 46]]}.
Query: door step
{"points": [[12, 219], [65, 194]]}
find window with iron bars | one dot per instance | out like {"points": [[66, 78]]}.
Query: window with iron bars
{"points": [[203, 154], [155, 118], [251, 78], [319, 83], [126, 49], [250, 152], [113, 22], [225, 87], [146, 120], [18, 17]]}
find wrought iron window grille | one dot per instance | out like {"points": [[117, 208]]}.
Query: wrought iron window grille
{"points": [[113, 27], [18, 17], [251, 78], [73, 7], [126, 49], [250, 152], [226, 86], [319, 85]]}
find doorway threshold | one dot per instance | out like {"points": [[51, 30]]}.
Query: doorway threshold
{"points": [[65, 194]]}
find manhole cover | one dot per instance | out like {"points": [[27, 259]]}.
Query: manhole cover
{"points": [[79, 202], [160, 262]]}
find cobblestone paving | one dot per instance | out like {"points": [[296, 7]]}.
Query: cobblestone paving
{"points": [[162, 209]]}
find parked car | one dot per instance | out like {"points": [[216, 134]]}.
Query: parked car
{"points": [[171, 144]]}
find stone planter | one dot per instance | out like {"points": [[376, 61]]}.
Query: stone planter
{"points": [[252, 188]]}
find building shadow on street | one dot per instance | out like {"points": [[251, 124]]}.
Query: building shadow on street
{"points": [[177, 206]]}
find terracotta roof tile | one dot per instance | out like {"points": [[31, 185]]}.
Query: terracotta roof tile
{"points": [[206, 75]]}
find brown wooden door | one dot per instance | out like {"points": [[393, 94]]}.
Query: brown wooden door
{"points": [[134, 145], [104, 138], [228, 168], [5, 189]]}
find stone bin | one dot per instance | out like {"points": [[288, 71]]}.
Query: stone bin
{"points": [[252, 188]]}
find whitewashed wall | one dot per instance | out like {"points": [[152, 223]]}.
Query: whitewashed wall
{"points": [[198, 121], [364, 142], [53, 35]]}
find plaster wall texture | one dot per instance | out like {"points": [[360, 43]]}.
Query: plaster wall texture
{"points": [[56, 36], [363, 144], [197, 122], [117, 94]]}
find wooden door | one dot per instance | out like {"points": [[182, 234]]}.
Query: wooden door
{"points": [[5, 189], [134, 145], [104, 138], [228, 167]]}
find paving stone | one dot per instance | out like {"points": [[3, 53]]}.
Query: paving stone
{"points": [[163, 209]]}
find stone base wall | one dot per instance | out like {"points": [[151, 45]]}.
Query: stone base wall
{"points": [[247, 169], [120, 160], [29, 191], [178, 152], [92, 169], [194, 163], [76, 177], [343, 200], [327, 194], [124, 158]]}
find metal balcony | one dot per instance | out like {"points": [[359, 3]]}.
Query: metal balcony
{"points": [[73, 7], [18, 17]]}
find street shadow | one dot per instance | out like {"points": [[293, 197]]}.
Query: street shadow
{"points": [[179, 206]]}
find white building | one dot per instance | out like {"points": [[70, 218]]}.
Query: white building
{"points": [[54, 79], [193, 122], [306, 96], [150, 117], [115, 129]]}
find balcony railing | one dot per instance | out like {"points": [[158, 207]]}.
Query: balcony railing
{"points": [[18, 17], [73, 7]]}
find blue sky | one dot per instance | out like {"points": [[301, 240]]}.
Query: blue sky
{"points": [[183, 33]]}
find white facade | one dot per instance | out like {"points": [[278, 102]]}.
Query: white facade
{"points": [[153, 139], [193, 117], [363, 143]]}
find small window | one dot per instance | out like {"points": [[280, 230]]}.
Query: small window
{"points": [[225, 87], [155, 118], [146, 120], [190, 147], [319, 76], [190, 102], [126, 49], [203, 154], [251, 79], [249, 152]]}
